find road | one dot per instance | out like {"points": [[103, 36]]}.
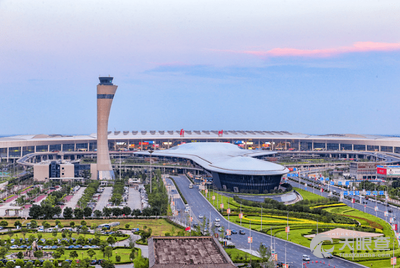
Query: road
{"points": [[179, 204], [103, 201], [199, 205], [134, 200], [74, 200], [369, 207]]}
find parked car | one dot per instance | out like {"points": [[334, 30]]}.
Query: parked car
{"points": [[93, 262], [329, 256], [242, 232], [306, 258]]}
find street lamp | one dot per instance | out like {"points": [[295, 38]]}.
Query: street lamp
{"points": [[151, 190]]}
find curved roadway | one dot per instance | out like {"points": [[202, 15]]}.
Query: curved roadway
{"points": [[200, 206]]}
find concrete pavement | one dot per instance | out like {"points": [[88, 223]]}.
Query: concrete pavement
{"points": [[134, 199], [103, 201], [74, 200]]}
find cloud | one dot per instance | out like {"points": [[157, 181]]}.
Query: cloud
{"points": [[326, 52]]}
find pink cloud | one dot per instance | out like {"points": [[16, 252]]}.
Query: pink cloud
{"points": [[327, 52]]}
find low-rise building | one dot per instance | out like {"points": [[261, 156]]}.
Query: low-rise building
{"points": [[188, 251]]}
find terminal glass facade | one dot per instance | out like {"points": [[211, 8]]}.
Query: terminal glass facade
{"points": [[68, 147], [359, 147], [244, 183], [55, 147], [28, 150], [346, 147], [15, 152], [42, 148]]}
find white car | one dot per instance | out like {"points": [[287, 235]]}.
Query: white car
{"points": [[217, 220], [306, 258], [201, 216], [217, 224]]}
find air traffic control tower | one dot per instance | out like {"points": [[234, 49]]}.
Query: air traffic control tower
{"points": [[105, 94]]}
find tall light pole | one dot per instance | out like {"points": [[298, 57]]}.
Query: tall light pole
{"points": [[151, 179]]}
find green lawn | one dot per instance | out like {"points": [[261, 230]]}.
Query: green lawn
{"points": [[308, 195], [82, 253], [238, 256]]}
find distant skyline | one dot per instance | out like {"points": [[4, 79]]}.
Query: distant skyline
{"points": [[309, 67]]}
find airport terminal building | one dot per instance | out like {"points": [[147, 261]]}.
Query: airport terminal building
{"points": [[15, 147]]}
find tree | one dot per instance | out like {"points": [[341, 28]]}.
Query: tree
{"points": [[107, 264], [54, 233], [97, 213], [56, 255], [111, 240], [131, 242], [265, 254], [84, 230], [127, 225], [106, 211], [83, 223], [103, 245], [116, 212], [126, 210], [35, 211], [17, 224], [20, 255], [28, 265], [48, 264], [3, 223], [91, 253], [33, 224], [78, 213], [57, 211], [31, 238], [68, 213], [141, 262], [73, 254], [10, 264], [72, 224], [19, 262], [46, 225], [87, 211], [65, 264], [108, 252], [38, 254], [24, 231], [133, 254], [3, 252]]}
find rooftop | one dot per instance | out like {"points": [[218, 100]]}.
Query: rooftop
{"points": [[204, 251]]}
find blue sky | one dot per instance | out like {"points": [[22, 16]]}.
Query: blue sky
{"points": [[312, 67]]}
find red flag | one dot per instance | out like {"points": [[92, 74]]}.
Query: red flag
{"points": [[187, 228]]}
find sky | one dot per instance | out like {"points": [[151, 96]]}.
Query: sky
{"points": [[316, 67]]}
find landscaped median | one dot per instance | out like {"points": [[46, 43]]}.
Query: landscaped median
{"points": [[302, 219]]}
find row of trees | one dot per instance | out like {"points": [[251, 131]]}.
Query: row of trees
{"points": [[88, 193]]}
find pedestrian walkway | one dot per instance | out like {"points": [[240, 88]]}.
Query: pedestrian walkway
{"points": [[134, 199], [103, 201], [72, 203]]}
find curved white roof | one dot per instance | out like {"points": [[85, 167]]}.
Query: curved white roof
{"points": [[224, 158]]}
